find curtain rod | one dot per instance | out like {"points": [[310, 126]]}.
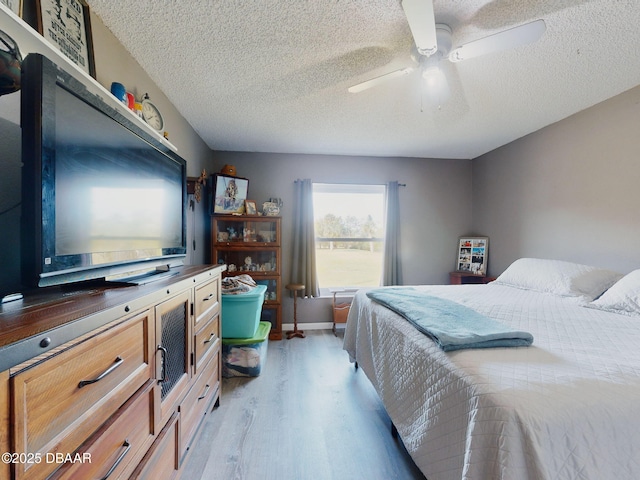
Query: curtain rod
{"points": [[399, 184]]}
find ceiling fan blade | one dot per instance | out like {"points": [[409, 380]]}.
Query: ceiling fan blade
{"points": [[379, 80], [422, 23], [514, 37]]}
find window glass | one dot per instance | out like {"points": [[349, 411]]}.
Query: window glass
{"points": [[349, 227]]}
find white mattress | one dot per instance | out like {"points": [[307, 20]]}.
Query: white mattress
{"points": [[568, 407]]}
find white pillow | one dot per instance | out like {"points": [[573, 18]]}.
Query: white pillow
{"points": [[623, 297], [558, 277]]}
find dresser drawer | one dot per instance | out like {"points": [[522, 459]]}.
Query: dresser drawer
{"points": [[161, 461], [197, 403], [206, 341], [207, 300], [117, 447], [61, 401]]}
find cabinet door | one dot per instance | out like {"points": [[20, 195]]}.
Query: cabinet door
{"points": [[173, 355], [248, 230], [256, 262]]}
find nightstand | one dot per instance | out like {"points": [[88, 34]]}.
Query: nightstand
{"points": [[464, 278]]}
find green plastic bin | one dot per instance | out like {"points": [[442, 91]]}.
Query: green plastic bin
{"points": [[245, 357]]}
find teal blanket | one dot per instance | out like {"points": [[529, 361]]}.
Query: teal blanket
{"points": [[451, 325]]}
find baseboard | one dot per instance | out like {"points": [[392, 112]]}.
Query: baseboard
{"points": [[308, 326]]}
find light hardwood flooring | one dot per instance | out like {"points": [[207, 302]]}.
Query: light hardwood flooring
{"points": [[308, 415]]}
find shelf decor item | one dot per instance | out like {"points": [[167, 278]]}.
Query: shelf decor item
{"points": [[229, 194], [250, 207], [151, 113], [472, 255], [10, 65], [270, 209], [66, 24]]}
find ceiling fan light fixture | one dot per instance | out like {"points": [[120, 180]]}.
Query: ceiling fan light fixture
{"points": [[436, 90], [421, 21]]}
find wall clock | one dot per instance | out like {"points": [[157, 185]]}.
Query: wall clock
{"points": [[151, 114]]}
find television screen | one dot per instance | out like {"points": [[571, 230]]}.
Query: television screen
{"points": [[109, 201]]}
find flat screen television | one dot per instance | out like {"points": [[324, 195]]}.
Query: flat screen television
{"points": [[101, 197]]}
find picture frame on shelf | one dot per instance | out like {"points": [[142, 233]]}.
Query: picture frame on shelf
{"points": [[228, 194], [67, 25], [472, 255], [250, 207], [14, 5]]}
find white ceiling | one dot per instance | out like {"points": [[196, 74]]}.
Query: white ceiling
{"points": [[272, 75]]}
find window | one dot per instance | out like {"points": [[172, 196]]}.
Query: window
{"points": [[349, 227]]}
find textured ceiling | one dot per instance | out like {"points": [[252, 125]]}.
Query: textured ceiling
{"points": [[272, 75]]}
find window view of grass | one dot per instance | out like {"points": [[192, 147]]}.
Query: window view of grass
{"points": [[349, 228], [343, 267]]}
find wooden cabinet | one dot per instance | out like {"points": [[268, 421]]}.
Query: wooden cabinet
{"points": [[251, 244], [125, 398]]}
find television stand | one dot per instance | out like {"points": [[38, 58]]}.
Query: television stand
{"points": [[146, 277]]}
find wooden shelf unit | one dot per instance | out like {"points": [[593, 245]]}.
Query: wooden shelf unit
{"points": [[251, 245]]}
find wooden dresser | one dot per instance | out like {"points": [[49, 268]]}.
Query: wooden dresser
{"points": [[109, 381]]}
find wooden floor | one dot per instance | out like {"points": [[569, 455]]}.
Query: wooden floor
{"points": [[309, 415]]}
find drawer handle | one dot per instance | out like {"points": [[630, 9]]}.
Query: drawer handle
{"points": [[206, 392], [208, 298], [211, 337], [119, 361], [163, 377], [127, 447]]}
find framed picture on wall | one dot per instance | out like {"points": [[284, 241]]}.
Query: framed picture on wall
{"points": [[472, 255], [229, 194], [14, 5], [65, 24]]}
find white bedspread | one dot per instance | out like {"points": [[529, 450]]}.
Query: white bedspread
{"points": [[568, 407]]}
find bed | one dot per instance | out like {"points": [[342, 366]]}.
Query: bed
{"points": [[566, 407]]}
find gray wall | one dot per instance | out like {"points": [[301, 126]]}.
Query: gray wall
{"points": [[115, 64], [435, 204], [569, 191]]}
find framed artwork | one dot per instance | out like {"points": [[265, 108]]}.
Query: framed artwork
{"points": [[14, 5], [472, 255], [66, 24], [229, 194], [250, 207]]}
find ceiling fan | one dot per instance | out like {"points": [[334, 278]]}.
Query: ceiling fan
{"points": [[433, 42]]}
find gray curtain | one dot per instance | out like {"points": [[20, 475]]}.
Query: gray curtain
{"points": [[303, 269], [391, 268]]}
